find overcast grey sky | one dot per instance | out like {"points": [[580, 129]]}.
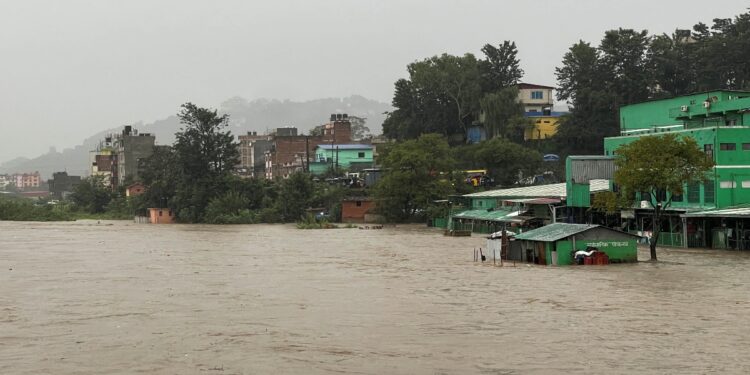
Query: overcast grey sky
{"points": [[71, 68]]}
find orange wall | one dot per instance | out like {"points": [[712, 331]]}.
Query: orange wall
{"points": [[167, 216]]}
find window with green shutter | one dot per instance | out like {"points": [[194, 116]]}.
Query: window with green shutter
{"points": [[694, 192], [709, 193]]}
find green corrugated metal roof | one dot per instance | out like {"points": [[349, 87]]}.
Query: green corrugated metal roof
{"points": [[554, 232], [492, 215], [736, 212]]}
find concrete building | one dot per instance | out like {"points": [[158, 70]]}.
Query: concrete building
{"points": [[545, 125], [62, 184], [5, 181], [713, 214], [347, 157], [538, 102], [291, 152], [161, 216], [252, 154], [130, 149], [356, 209], [102, 162], [535, 98], [23, 181]]}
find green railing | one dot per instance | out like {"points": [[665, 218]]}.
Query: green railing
{"points": [[670, 239], [665, 239]]}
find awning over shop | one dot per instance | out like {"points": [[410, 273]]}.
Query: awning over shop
{"points": [[537, 191], [491, 215], [534, 200], [733, 212]]}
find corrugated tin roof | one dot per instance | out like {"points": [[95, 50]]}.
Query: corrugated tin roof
{"points": [[492, 215], [554, 232], [524, 85], [326, 146], [538, 191], [541, 114], [740, 212]]}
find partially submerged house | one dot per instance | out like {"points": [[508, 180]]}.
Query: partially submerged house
{"points": [[522, 207], [556, 244]]}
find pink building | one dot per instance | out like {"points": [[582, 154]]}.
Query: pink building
{"points": [[26, 180]]}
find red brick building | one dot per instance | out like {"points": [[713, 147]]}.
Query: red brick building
{"points": [[290, 152], [135, 189], [353, 210]]}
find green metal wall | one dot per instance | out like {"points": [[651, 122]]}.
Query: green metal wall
{"points": [[579, 195], [624, 251], [665, 112], [480, 203], [732, 166]]}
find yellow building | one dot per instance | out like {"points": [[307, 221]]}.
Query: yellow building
{"points": [[545, 126]]}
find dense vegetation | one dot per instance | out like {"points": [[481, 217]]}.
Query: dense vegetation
{"points": [[629, 66]]}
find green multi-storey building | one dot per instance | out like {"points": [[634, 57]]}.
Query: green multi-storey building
{"points": [[710, 214]]}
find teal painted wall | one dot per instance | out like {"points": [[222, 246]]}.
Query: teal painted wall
{"points": [[344, 158], [319, 168], [667, 111], [480, 203], [732, 166], [579, 195]]}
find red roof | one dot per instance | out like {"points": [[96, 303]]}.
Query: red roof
{"points": [[533, 86]]}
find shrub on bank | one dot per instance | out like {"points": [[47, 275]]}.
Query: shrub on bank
{"points": [[24, 210]]}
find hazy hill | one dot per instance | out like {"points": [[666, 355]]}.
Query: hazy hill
{"points": [[258, 115]]}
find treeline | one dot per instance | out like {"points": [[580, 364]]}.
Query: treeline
{"points": [[194, 177], [447, 94]]}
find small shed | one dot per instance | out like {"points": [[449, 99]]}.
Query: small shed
{"points": [[555, 244], [135, 189], [355, 209], [161, 215]]}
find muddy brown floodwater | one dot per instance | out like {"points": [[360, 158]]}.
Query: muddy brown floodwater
{"points": [[122, 298]]}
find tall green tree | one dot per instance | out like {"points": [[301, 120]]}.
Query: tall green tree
{"points": [[441, 96], [455, 78], [91, 195], [624, 66], [671, 65], [581, 83], [295, 194], [660, 166], [161, 175], [506, 161], [206, 155], [501, 67], [502, 114], [416, 172]]}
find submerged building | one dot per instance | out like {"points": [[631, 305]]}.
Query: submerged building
{"points": [[715, 213]]}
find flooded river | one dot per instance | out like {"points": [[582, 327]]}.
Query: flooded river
{"points": [[82, 298]]}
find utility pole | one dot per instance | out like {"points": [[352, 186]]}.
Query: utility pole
{"points": [[307, 154]]}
